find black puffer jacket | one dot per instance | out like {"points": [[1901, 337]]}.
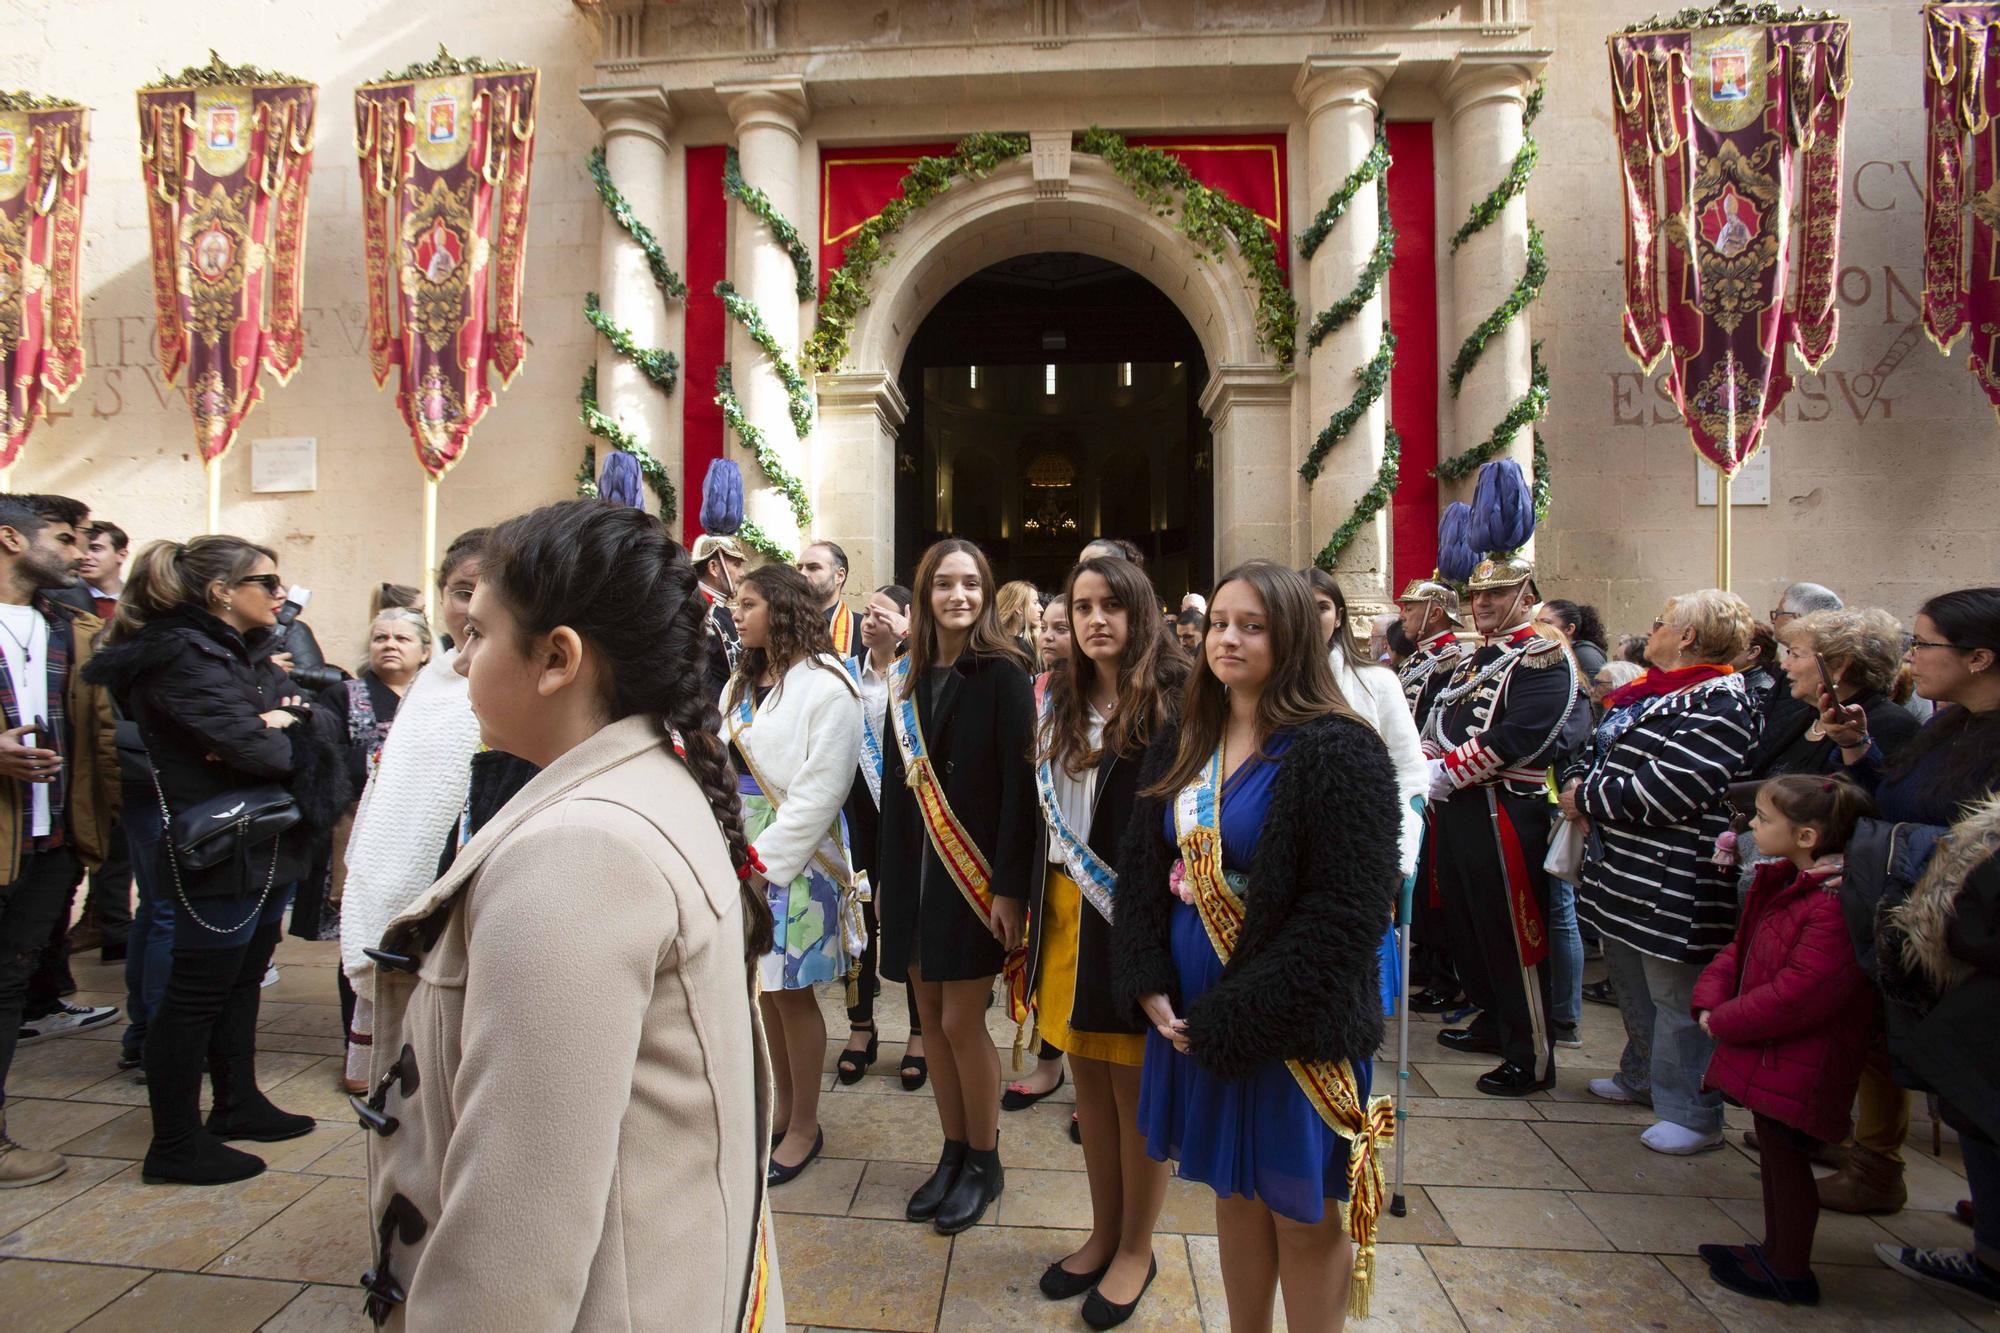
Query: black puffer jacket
{"points": [[1303, 983], [197, 690]]}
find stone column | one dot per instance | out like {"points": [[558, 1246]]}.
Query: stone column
{"points": [[859, 414], [1486, 95], [1339, 96], [635, 123], [1249, 408], [769, 115]]}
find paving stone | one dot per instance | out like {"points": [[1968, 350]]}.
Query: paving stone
{"points": [[1552, 1289], [49, 1298], [1037, 1198], [38, 1122], [324, 1237], [853, 1273], [996, 1271], [124, 1221], [1852, 1300], [827, 1187], [1407, 1296], [191, 1301], [1662, 1224], [322, 1310], [18, 1207], [1498, 1153], [1611, 1158], [1840, 1238], [1516, 1219]]}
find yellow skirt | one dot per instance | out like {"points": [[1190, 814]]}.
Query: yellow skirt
{"points": [[1055, 991]]}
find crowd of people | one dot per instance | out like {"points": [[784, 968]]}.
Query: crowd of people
{"points": [[1168, 841]]}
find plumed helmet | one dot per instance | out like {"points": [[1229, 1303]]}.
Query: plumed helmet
{"points": [[1456, 553], [1503, 509], [1504, 571], [618, 482], [1434, 591], [722, 499]]}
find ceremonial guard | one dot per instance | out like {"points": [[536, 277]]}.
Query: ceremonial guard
{"points": [[1512, 705], [718, 566], [1429, 608]]}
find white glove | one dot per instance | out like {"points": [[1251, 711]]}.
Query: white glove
{"points": [[1441, 784]]}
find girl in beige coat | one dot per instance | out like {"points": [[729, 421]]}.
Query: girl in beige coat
{"points": [[526, 1171]]}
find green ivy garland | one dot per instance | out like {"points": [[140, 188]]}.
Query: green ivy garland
{"points": [[1335, 316], [1210, 219], [1387, 477], [760, 204], [1372, 168], [664, 276], [599, 424], [781, 477], [796, 389], [847, 287], [1374, 377], [658, 364], [1533, 405]]}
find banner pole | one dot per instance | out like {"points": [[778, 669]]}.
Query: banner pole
{"points": [[1723, 482], [214, 495], [426, 582]]}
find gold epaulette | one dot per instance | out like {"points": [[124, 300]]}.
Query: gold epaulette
{"points": [[1541, 652]]}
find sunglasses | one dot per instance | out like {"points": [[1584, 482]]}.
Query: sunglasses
{"points": [[271, 583]]}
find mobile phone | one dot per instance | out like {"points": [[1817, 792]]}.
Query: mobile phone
{"points": [[1826, 679]]}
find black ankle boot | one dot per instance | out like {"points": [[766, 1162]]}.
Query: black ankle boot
{"points": [[979, 1183], [930, 1195], [241, 1111], [201, 1160]]}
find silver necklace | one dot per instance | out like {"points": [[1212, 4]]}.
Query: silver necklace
{"points": [[27, 647]]}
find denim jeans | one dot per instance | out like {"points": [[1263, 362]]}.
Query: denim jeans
{"points": [[1565, 955], [1655, 996], [149, 953]]}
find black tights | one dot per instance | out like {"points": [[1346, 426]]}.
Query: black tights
{"points": [[206, 1023], [1791, 1198]]}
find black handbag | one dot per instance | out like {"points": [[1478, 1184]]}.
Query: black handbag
{"points": [[206, 835]]}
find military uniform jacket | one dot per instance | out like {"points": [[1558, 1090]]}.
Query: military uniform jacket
{"points": [[1512, 707], [1428, 670]]}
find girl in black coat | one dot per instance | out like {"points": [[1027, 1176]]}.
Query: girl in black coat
{"points": [[217, 718], [963, 690], [1304, 809], [1119, 685]]}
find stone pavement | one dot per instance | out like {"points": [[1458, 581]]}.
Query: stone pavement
{"points": [[1536, 1214]]}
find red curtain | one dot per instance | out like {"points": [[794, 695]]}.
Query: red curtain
{"points": [[1413, 388], [707, 247]]}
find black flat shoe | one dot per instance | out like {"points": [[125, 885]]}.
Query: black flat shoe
{"points": [[1075, 1130], [1100, 1313], [1059, 1284], [923, 1205], [915, 1072], [1510, 1080], [853, 1065], [1468, 1039], [1755, 1278], [1014, 1100], [1435, 1002], [777, 1174]]}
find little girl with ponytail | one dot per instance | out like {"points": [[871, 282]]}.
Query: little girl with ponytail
{"points": [[1792, 1016]]}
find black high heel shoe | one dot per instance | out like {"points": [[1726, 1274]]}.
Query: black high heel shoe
{"points": [[853, 1065], [779, 1174], [1100, 1313], [915, 1072]]}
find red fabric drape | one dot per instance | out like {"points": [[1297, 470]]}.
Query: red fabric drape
{"points": [[1413, 388], [1249, 168], [707, 249], [854, 183]]}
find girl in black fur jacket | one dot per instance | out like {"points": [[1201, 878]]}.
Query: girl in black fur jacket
{"points": [[184, 662], [1274, 787]]}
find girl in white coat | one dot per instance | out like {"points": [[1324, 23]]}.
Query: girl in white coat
{"points": [[792, 716]]}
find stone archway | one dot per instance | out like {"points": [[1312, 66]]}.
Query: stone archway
{"points": [[1054, 200]]}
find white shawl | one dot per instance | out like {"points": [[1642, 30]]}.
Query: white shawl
{"points": [[408, 809], [1376, 694]]}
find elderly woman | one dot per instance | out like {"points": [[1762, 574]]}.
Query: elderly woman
{"points": [[1652, 786], [1863, 649]]}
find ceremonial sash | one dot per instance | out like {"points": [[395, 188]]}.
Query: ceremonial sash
{"points": [[1093, 878], [841, 626], [963, 861], [871, 739], [760, 1274], [1328, 1084]]}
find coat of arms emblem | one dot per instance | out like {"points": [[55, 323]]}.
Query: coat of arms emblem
{"points": [[7, 148], [222, 128], [441, 118]]}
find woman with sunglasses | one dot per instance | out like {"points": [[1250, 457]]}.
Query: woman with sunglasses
{"points": [[185, 661]]}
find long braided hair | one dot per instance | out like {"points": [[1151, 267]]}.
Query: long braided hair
{"points": [[612, 574]]}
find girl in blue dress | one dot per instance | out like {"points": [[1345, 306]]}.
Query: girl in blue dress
{"points": [[1254, 883]]}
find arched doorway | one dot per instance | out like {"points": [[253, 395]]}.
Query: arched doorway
{"points": [[1053, 398]]}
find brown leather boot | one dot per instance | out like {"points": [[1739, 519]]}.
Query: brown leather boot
{"points": [[1866, 1183], [21, 1165]]}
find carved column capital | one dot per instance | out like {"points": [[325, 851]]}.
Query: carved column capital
{"points": [[779, 103], [1478, 77], [1343, 80], [637, 109]]}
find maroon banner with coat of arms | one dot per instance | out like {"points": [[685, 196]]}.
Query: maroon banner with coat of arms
{"points": [[1723, 130], [43, 158], [1962, 184], [446, 150], [227, 154]]}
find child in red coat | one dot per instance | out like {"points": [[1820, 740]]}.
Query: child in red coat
{"points": [[1792, 1016]]}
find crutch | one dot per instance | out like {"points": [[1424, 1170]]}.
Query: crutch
{"points": [[1398, 1206]]}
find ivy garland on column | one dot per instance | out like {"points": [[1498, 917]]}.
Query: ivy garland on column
{"points": [[1374, 373], [797, 391], [658, 364], [1533, 405]]}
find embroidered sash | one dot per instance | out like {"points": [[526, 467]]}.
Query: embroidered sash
{"points": [[963, 861], [1094, 878], [871, 739], [760, 1274], [1329, 1085], [841, 626]]}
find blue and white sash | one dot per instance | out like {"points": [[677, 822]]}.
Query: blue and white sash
{"points": [[1093, 878], [871, 740]]}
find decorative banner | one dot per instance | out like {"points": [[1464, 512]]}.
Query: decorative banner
{"points": [[44, 147], [226, 152], [445, 150], [854, 183], [1709, 107], [1961, 88]]}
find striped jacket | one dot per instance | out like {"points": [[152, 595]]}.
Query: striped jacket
{"points": [[1654, 794]]}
